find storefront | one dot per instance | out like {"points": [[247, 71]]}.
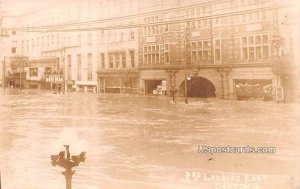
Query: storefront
{"points": [[155, 87], [118, 82]]}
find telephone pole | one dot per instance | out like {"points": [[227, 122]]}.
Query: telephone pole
{"points": [[1, 53], [187, 60]]}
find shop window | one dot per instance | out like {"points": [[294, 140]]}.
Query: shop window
{"points": [[33, 71], [48, 70]]}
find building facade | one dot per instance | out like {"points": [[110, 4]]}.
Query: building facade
{"points": [[30, 73], [223, 49], [51, 32], [118, 48], [236, 49]]}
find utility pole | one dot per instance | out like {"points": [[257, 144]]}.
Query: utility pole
{"points": [[212, 60], [1, 31], [2, 35], [187, 59]]}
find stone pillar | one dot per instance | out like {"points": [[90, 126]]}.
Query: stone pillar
{"points": [[225, 83]]}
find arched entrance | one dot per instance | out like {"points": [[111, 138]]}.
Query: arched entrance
{"points": [[198, 87]]}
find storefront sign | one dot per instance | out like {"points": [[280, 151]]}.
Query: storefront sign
{"points": [[54, 78]]}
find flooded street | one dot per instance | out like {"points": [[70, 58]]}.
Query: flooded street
{"points": [[147, 142]]}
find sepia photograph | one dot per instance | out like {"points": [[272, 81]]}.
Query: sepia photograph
{"points": [[149, 94]]}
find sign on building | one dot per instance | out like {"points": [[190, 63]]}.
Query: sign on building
{"points": [[54, 78]]}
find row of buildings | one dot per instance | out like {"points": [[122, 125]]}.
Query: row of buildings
{"points": [[227, 49]]}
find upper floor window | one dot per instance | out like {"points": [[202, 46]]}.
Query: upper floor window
{"points": [[33, 71]]}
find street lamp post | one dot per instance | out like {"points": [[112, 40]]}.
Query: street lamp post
{"points": [[64, 158]]}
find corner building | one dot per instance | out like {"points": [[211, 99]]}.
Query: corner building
{"points": [[224, 49]]}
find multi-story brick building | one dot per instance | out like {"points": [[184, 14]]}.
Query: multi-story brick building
{"points": [[225, 49], [118, 47], [228, 49]]}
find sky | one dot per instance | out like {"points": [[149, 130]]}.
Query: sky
{"points": [[17, 7]]}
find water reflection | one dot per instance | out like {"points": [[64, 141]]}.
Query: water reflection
{"points": [[139, 141]]}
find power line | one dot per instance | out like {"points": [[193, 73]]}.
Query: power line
{"points": [[134, 15], [176, 21]]}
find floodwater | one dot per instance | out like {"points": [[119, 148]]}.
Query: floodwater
{"points": [[147, 142]]}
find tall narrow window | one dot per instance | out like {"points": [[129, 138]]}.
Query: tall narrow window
{"points": [[266, 52], [69, 67], [79, 67], [102, 60], [123, 58], [90, 67], [167, 58], [258, 52], [245, 53], [217, 54], [117, 60], [251, 53], [111, 60], [14, 50]]}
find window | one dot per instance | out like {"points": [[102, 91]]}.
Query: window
{"points": [[123, 58], [264, 15], [57, 38], [244, 41], [102, 60], [132, 35], [194, 45], [145, 59], [14, 50], [266, 52], [48, 70], [166, 47], [52, 39], [199, 45], [69, 67], [194, 56], [153, 59], [258, 39], [199, 56], [251, 53], [258, 52], [205, 55], [251, 40], [13, 32], [166, 27], [79, 67], [117, 60], [90, 68], [245, 53], [33, 71], [47, 41], [203, 23], [205, 44], [167, 58], [43, 40], [151, 55], [22, 46], [217, 54], [110, 60], [132, 59], [265, 38], [254, 49]]}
